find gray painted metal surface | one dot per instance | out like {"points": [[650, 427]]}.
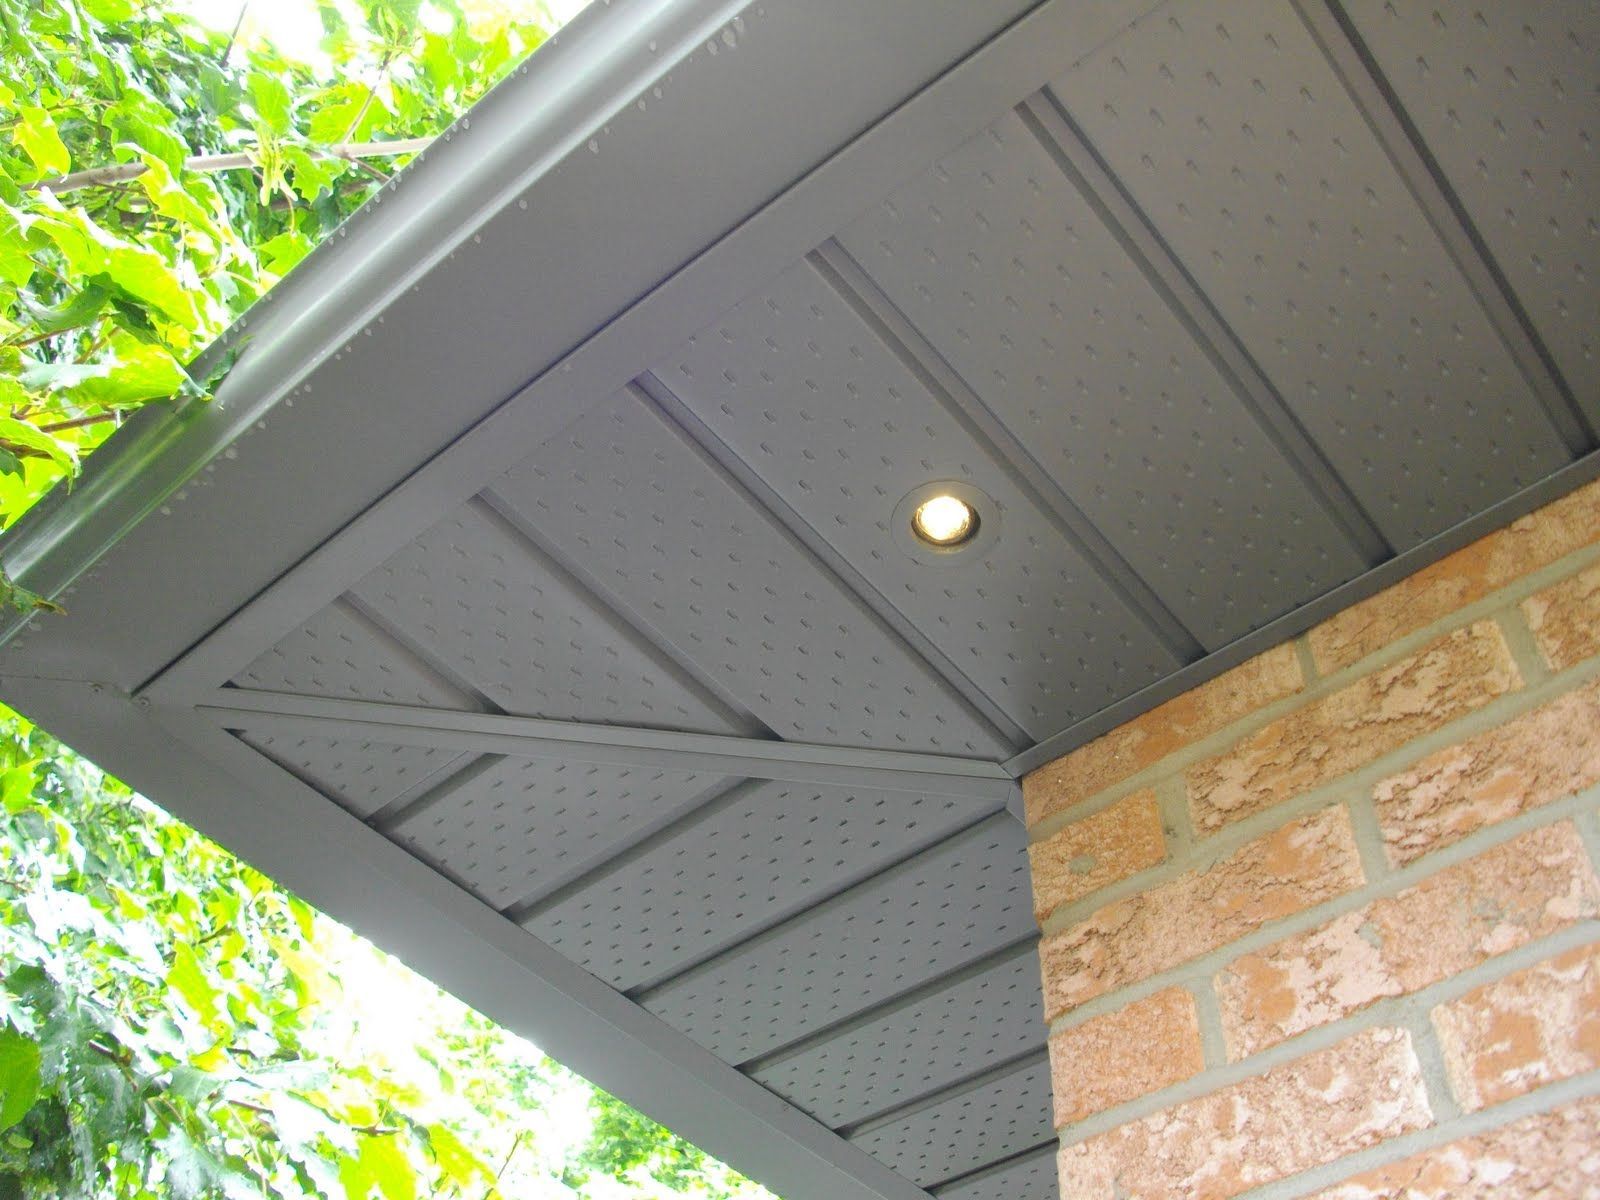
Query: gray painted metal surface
{"points": [[1005, 1114], [766, 852], [606, 684]]}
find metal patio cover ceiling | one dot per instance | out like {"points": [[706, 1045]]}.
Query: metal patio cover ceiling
{"points": [[532, 596]]}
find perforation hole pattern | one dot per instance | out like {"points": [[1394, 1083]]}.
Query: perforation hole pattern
{"points": [[1030, 1177], [738, 867], [804, 391], [336, 653], [1232, 131], [918, 1049], [1007, 271], [524, 825], [954, 903], [1507, 97], [474, 595], [995, 1120], [361, 776], [719, 580]]}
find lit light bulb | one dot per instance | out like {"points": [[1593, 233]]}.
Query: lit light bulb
{"points": [[944, 521]]}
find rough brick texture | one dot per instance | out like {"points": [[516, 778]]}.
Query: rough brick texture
{"points": [[1146, 740], [1253, 995], [1299, 1115], [1565, 620], [1303, 863], [1549, 1156], [1468, 575], [1508, 896], [1150, 1044], [1545, 755], [1320, 741], [1523, 1031], [1098, 850]]}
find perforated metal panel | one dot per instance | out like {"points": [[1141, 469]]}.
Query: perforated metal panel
{"points": [[996, 1119], [1009, 273], [478, 598], [338, 653], [362, 776], [788, 379], [1230, 129], [523, 826], [951, 905], [1028, 1177], [918, 1048], [1507, 97], [738, 866], [719, 580]]}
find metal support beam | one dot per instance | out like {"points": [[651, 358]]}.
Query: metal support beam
{"points": [[576, 741]]}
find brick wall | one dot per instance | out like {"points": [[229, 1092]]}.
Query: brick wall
{"points": [[1327, 925]]}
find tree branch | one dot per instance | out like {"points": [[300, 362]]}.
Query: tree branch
{"points": [[210, 164]]}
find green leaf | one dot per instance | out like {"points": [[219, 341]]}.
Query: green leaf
{"points": [[19, 1076], [145, 275], [272, 103], [188, 979], [379, 1164], [20, 433], [36, 133], [138, 371], [69, 314]]}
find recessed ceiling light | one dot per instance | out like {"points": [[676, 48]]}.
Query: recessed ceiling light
{"points": [[944, 520]]}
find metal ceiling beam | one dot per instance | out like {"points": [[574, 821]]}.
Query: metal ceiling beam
{"points": [[283, 827], [577, 741]]}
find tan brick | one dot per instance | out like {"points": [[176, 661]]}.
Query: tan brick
{"points": [[1098, 850], [1526, 1030], [1506, 897], [1545, 755], [1324, 739], [1542, 1157], [1292, 868], [1151, 1044], [1565, 619], [1458, 580], [1313, 1110], [1147, 739]]}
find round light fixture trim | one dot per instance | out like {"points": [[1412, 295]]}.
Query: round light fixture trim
{"points": [[945, 522]]}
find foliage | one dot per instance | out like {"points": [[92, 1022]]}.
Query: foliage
{"points": [[172, 1024], [107, 292]]}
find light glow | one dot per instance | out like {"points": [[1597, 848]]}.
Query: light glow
{"points": [[944, 520]]}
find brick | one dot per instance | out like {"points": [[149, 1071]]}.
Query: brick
{"points": [[1458, 580], [1096, 851], [1313, 1110], [1527, 888], [1542, 756], [1541, 1157], [1147, 739], [1151, 1044], [1326, 738], [1565, 619], [1303, 863], [1531, 1028]]}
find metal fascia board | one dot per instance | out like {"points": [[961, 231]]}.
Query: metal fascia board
{"points": [[578, 741], [208, 778]]}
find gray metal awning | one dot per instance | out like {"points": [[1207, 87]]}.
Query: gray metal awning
{"points": [[537, 596]]}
